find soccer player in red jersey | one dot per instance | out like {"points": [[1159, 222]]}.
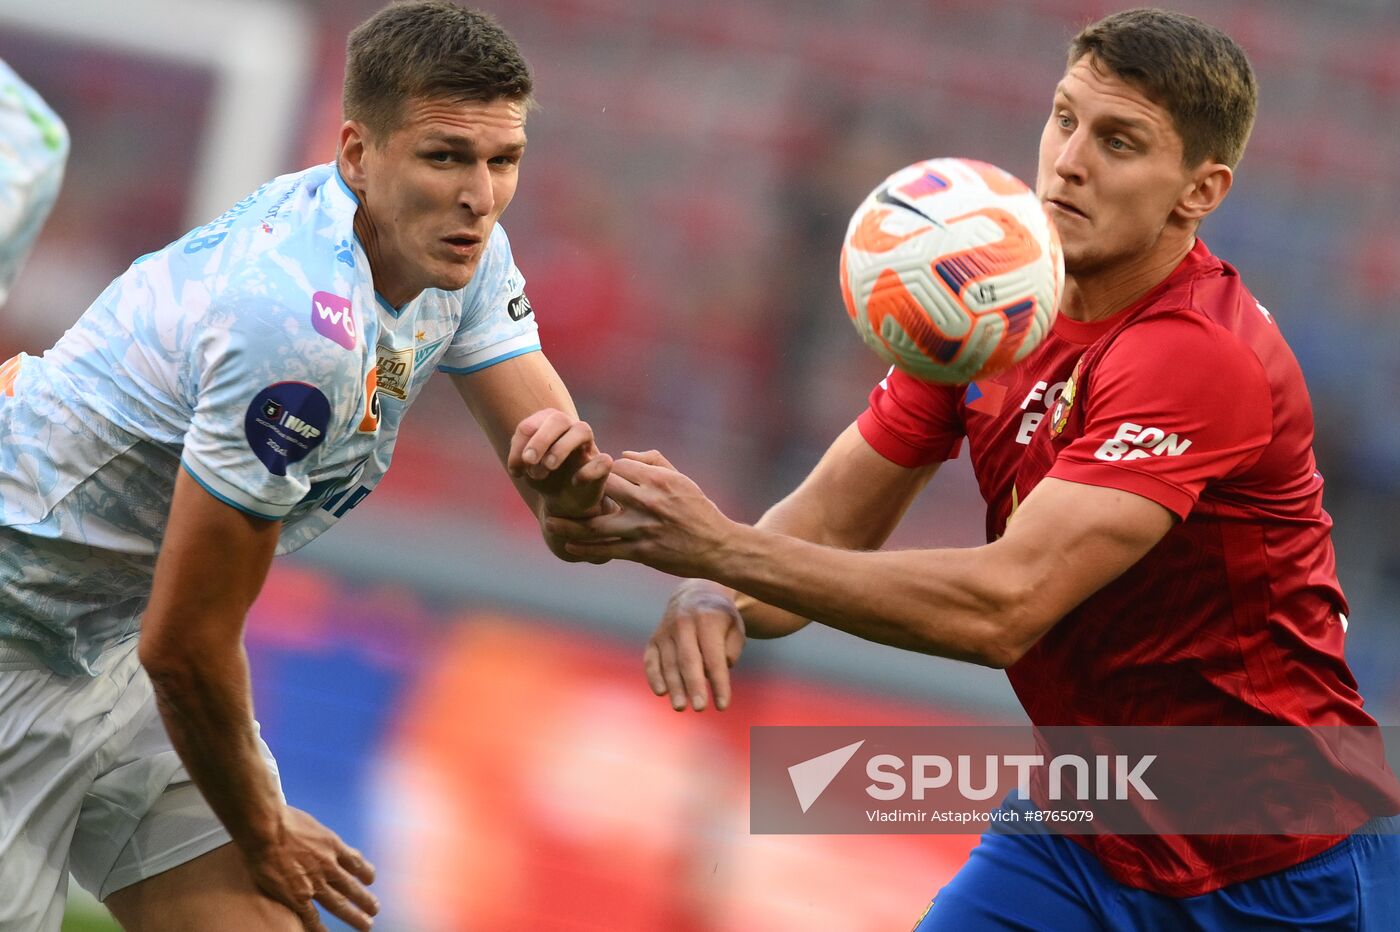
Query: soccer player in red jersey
{"points": [[1158, 553]]}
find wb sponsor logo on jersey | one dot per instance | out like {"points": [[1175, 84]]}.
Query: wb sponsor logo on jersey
{"points": [[333, 318], [1134, 442]]}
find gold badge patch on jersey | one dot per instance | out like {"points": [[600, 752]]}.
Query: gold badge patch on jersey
{"points": [[1059, 415], [395, 369]]}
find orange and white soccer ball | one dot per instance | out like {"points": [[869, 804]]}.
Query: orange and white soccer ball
{"points": [[951, 270]]}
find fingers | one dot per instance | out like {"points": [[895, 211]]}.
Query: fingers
{"points": [[651, 664], [336, 903], [637, 472], [355, 863], [671, 674], [650, 457], [312, 865], [346, 898], [544, 440], [711, 641], [595, 470], [310, 918], [699, 638], [690, 664], [620, 488], [524, 433]]}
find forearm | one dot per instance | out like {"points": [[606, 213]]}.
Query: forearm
{"points": [[761, 619], [936, 602], [205, 702]]}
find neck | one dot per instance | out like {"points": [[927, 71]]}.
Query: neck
{"points": [[1100, 293], [386, 283]]}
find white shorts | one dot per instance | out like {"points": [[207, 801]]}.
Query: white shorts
{"points": [[89, 783]]}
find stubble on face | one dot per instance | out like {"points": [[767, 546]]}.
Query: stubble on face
{"points": [[438, 184]]}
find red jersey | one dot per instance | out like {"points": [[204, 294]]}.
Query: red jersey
{"points": [[1189, 397]]}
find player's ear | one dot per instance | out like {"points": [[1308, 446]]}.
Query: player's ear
{"points": [[1207, 186], [350, 156]]}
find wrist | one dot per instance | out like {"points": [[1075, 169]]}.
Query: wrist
{"points": [[260, 833], [721, 562], [728, 561], [698, 587]]}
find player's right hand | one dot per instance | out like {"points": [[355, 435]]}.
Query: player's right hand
{"points": [[700, 637], [309, 864], [555, 454]]}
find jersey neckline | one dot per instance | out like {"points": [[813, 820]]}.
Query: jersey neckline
{"points": [[1087, 332]]}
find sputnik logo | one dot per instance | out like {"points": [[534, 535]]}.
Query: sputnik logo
{"points": [[811, 777]]}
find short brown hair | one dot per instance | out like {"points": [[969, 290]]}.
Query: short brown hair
{"points": [[1195, 71], [428, 49]]}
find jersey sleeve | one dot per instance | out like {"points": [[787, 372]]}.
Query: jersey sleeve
{"points": [[1173, 404], [912, 423], [497, 320], [33, 152], [266, 395]]}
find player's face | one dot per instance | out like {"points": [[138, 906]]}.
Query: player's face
{"points": [[1111, 172], [434, 189]]}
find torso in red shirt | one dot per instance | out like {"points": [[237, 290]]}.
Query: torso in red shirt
{"points": [[1190, 398]]}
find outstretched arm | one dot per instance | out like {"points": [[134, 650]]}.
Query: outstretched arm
{"points": [[986, 605], [526, 413], [853, 499]]}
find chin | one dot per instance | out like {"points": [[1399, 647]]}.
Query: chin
{"points": [[455, 278], [1081, 261]]}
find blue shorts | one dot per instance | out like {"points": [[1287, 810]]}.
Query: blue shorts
{"points": [[1048, 882]]}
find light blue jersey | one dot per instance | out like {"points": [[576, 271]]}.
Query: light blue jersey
{"points": [[253, 353], [33, 150]]}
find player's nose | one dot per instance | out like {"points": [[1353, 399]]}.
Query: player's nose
{"points": [[1070, 160], [477, 194]]}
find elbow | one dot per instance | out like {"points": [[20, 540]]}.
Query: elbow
{"points": [[1014, 625], [168, 667], [1000, 653]]}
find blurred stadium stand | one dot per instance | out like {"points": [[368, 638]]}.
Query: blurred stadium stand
{"points": [[471, 711]]}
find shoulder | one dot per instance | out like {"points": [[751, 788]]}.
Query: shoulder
{"points": [[1179, 365], [260, 266], [1183, 343]]}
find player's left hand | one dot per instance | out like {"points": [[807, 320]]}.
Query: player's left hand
{"points": [[663, 520], [555, 454]]}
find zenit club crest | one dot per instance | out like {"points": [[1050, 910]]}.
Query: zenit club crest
{"points": [[1059, 415]]}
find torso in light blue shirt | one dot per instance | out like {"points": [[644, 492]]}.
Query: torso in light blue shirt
{"points": [[253, 353]]}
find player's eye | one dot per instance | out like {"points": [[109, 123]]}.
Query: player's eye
{"points": [[1118, 144], [1063, 121], [441, 156], [505, 161]]}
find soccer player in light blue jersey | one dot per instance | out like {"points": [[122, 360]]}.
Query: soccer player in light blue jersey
{"points": [[33, 152], [225, 399]]}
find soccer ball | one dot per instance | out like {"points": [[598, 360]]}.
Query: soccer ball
{"points": [[951, 270]]}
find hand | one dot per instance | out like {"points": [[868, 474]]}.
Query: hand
{"points": [[309, 864], [555, 454], [700, 637], [658, 517]]}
